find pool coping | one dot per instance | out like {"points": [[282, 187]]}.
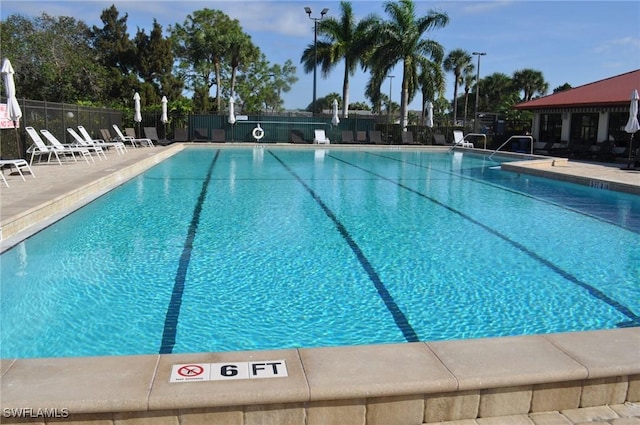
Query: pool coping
{"points": [[88, 385], [91, 385]]}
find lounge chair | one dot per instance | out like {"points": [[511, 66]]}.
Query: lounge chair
{"points": [[143, 141], [458, 140], [320, 138], [439, 139], [152, 134], [83, 143], [67, 149], [361, 137], [19, 164], [407, 138], [181, 135], [347, 136], [296, 136], [375, 137], [120, 137], [218, 135], [106, 141], [201, 135], [39, 148]]}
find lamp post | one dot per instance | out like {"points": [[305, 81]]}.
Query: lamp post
{"points": [[307, 9], [391, 77], [475, 115]]}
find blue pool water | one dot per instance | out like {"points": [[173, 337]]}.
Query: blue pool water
{"points": [[237, 249]]}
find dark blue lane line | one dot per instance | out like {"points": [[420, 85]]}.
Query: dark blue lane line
{"points": [[173, 311], [594, 292], [507, 189], [398, 316]]}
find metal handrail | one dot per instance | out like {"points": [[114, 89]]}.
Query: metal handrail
{"points": [[508, 140], [484, 137]]}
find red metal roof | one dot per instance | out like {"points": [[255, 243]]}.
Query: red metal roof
{"points": [[611, 91]]}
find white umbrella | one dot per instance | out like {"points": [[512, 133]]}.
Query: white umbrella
{"points": [[137, 115], [164, 118], [13, 107], [334, 119], [429, 122], [232, 113], [632, 125]]}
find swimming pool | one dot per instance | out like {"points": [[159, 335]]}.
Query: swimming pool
{"points": [[232, 249]]}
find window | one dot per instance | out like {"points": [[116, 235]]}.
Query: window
{"points": [[584, 126], [550, 128], [617, 122]]}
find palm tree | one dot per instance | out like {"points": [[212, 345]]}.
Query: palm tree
{"points": [[432, 83], [457, 61], [469, 78], [495, 87], [531, 82], [344, 40], [400, 40]]}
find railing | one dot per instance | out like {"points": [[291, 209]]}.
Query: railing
{"points": [[483, 136], [529, 138]]}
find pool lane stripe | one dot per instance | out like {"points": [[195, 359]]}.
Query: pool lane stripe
{"points": [[398, 316], [594, 292], [173, 311]]}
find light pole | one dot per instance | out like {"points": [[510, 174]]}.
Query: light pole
{"points": [[391, 77], [475, 115], [307, 9]]}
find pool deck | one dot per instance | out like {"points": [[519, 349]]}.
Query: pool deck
{"points": [[558, 379]]}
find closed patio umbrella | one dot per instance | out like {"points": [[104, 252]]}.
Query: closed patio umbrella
{"points": [[429, 122], [137, 115], [164, 118], [232, 113], [334, 117], [13, 107], [632, 125]]}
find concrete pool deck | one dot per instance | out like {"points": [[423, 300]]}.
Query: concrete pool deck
{"points": [[557, 379]]}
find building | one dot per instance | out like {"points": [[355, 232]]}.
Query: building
{"points": [[590, 113]]}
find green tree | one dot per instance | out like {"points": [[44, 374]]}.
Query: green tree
{"points": [[400, 40], [154, 64], [116, 52], [460, 63], [346, 41], [495, 87], [565, 86], [52, 58], [432, 84], [260, 88], [469, 79], [530, 82]]}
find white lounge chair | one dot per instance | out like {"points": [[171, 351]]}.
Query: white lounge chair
{"points": [[458, 140], [39, 148], [82, 143], [119, 146], [320, 137], [19, 164], [121, 137], [67, 149]]}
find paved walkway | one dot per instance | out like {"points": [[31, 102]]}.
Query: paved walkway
{"points": [[54, 182]]}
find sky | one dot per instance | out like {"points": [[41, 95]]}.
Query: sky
{"points": [[575, 42]]}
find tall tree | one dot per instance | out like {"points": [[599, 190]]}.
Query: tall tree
{"points": [[154, 63], [457, 61], [530, 82], [468, 78], [116, 52], [432, 84], [346, 41], [400, 40], [201, 45], [495, 87]]}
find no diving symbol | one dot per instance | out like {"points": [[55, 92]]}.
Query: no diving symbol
{"points": [[191, 370]]}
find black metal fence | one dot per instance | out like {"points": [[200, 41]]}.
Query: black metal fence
{"points": [[55, 117]]}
